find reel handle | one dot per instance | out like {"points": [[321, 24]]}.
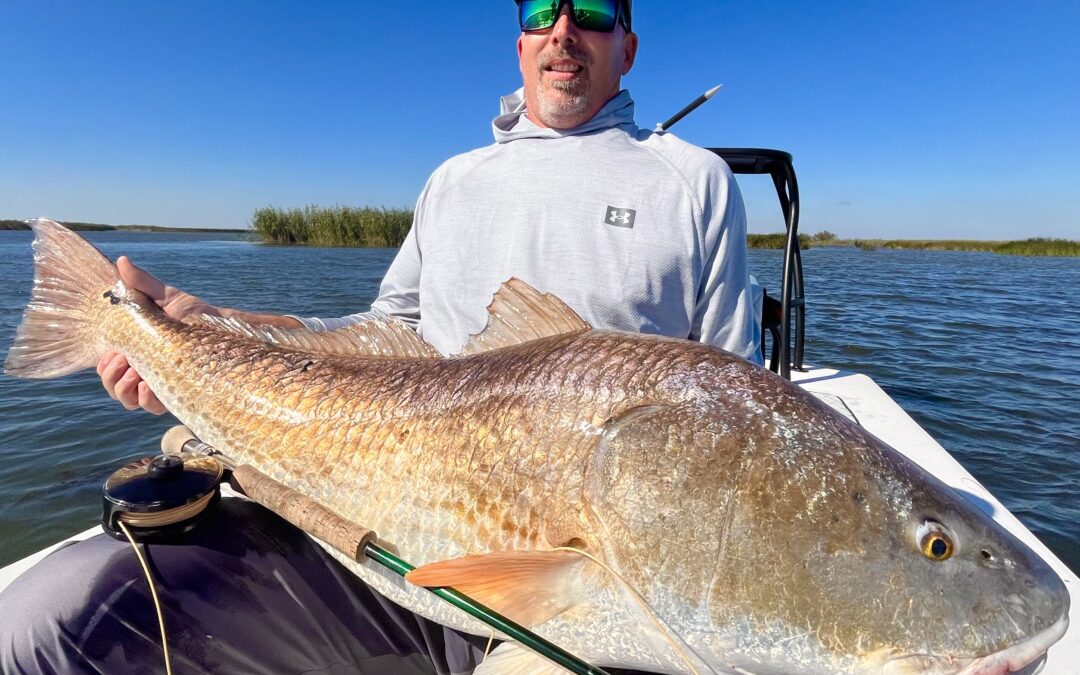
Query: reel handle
{"points": [[299, 509], [180, 439]]}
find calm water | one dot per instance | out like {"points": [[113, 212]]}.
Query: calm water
{"points": [[982, 350]]}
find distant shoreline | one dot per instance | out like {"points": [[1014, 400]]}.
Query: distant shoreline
{"points": [[1041, 246], [101, 227], [383, 228]]}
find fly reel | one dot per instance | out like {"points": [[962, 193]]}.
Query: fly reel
{"points": [[160, 497]]}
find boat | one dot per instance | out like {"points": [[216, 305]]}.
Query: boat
{"points": [[852, 394]]}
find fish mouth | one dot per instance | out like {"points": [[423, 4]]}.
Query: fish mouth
{"points": [[1009, 660]]}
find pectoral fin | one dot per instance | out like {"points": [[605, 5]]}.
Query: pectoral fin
{"points": [[528, 587]]}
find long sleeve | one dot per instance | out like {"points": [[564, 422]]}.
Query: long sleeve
{"points": [[724, 315]]}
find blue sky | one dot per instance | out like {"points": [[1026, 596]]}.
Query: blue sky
{"points": [[906, 119]]}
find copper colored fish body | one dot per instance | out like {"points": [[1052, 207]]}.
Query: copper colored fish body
{"points": [[762, 531]]}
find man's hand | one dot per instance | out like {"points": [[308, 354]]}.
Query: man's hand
{"points": [[117, 376], [173, 301], [125, 385]]}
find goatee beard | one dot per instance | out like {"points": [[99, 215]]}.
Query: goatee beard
{"points": [[562, 100]]}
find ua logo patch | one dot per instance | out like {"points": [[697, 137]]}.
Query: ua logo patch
{"points": [[620, 217]]}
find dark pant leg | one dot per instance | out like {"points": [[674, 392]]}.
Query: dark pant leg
{"points": [[244, 593]]}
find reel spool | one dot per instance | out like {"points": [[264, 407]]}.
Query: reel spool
{"points": [[160, 497]]}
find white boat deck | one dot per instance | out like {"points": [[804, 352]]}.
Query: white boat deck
{"points": [[861, 399]]}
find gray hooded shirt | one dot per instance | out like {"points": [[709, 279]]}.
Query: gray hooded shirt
{"points": [[634, 230]]}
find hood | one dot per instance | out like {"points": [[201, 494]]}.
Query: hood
{"points": [[512, 124]]}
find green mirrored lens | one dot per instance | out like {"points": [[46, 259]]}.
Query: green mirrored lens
{"points": [[537, 14], [598, 15]]}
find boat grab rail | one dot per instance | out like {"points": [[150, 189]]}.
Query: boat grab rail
{"points": [[778, 165]]}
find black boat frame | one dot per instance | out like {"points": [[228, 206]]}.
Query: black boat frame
{"points": [[787, 352]]}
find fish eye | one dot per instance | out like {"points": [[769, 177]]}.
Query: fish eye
{"points": [[935, 543], [936, 546]]}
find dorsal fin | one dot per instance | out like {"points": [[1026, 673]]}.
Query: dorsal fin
{"points": [[519, 313], [377, 337], [391, 338]]}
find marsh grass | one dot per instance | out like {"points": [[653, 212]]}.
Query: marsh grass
{"points": [[1037, 246], [778, 240], [333, 226], [1041, 246], [941, 244]]}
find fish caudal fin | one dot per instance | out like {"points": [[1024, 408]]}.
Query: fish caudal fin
{"points": [[55, 337]]}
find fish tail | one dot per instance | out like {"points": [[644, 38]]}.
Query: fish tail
{"points": [[57, 335]]}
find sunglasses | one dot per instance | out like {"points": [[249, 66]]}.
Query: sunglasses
{"points": [[595, 15]]}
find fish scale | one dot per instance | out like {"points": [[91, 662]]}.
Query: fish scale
{"points": [[244, 436], [765, 532]]}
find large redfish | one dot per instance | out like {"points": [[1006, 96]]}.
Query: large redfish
{"points": [[759, 530]]}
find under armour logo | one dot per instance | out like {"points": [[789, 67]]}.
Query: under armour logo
{"points": [[620, 217]]}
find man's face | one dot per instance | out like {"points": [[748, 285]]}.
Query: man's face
{"points": [[570, 73]]}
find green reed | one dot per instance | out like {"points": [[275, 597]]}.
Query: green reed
{"points": [[778, 240], [333, 226], [941, 244], [1041, 246]]}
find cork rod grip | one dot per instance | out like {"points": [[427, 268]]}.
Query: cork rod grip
{"points": [[303, 512]]}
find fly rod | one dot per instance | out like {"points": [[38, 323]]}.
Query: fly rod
{"points": [[664, 126], [358, 542]]}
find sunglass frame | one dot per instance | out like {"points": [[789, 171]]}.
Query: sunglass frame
{"points": [[621, 15]]}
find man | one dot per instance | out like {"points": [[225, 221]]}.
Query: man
{"points": [[634, 230]]}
